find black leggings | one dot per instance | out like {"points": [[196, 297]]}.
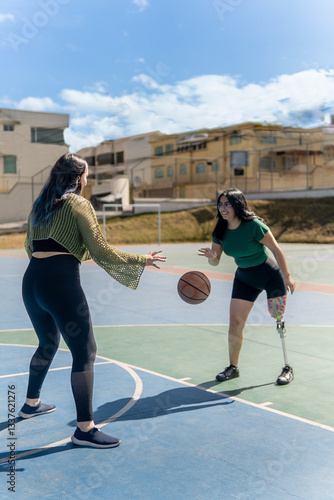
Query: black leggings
{"points": [[56, 305]]}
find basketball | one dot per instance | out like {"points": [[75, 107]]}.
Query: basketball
{"points": [[194, 287]]}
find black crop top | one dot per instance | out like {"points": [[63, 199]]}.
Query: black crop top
{"points": [[48, 245]]}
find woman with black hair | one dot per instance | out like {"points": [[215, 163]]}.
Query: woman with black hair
{"points": [[243, 235], [62, 232]]}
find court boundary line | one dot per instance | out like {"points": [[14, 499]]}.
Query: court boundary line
{"points": [[50, 369], [239, 400], [166, 324], [135, 397], [189, 384]]}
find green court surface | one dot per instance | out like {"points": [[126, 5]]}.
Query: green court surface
{"points": [[194, 349], [194, 353]]}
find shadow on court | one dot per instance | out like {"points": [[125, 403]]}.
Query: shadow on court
{"points": [[184, 399], [34, 455], [231, 392]]}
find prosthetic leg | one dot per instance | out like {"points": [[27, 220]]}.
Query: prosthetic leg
{"points": [[276, 308]]}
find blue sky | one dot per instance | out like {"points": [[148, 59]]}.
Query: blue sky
{"points": [[124, 67]]}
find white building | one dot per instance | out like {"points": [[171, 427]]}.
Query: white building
{"points": [[30, 143], [119, 168]]}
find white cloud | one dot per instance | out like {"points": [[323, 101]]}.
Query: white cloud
{"points": [[38, 104], [6, 17], [302, 99], [100, 87], [141, 4]]}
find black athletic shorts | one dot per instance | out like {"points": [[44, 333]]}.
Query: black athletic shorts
{"points": [[249, 282]]}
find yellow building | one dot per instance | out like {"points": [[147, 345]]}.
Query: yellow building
{"points": [[251, 156]]}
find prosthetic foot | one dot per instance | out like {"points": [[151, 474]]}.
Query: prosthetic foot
{"points": [[276, 308]]}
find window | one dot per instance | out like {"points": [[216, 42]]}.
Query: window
{"points": [[47, 135], [191, 147], [268, 139], [169, 149], [158, 151], [90, 161], [239, 159], [170, 172], [183, 170], [106, 159], [8, 128], [200, 168], [214, 166], [289, 161], [159, 173], [235, 138], [197, 147], [9, 164], [120, 157], [267, 163]]}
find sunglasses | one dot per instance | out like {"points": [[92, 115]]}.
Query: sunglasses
{"points": [[225, 205]]}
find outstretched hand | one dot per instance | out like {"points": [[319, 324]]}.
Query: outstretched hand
{"points": [[152, 257], [208, 253]]}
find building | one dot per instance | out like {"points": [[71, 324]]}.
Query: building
{"points": [[118, 169], [252, 156], [30, 143]]}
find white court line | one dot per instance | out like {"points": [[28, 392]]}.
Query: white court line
{"points": [[201, 324], [136, 395], [239, 400], [138, 391], [50, 370], [169, 324], [261, 406], [18, 330]]}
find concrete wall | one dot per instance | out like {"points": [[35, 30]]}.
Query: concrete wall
{"points": [[31, 159], [16, 205]]}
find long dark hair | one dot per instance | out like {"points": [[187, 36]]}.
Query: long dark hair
{"points": [[64, 179], [240, 207]]}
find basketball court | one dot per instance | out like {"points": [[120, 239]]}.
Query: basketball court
{"points": [[183, 434]]}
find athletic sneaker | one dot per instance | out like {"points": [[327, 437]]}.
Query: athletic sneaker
{"points": [[94, 438], [229, 373], [286, 376], [28, 411]]}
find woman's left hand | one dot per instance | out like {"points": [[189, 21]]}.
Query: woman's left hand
{"points": [[152, 257], [290, 284]]}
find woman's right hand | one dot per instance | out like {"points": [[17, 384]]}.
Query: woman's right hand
{"points": [[208, 253], [152, 257]]}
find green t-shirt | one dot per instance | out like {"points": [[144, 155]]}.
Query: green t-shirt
{"points": [[243, 243]]}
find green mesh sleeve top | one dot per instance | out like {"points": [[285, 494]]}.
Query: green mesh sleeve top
{"points": [[75, 227]]}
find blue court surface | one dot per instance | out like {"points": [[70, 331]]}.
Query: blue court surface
{"points": [[184, 435]]}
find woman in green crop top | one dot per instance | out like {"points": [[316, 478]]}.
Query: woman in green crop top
{"points": [[242, 235], [62, 232]]}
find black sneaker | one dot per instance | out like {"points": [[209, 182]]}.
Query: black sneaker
{"points": [[286, 376], [229, 373], [28, 411], [94, 438]]}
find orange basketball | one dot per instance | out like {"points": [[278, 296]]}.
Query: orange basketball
{"points": [[194, 287]]}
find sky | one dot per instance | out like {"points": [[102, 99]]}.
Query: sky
{"points": [[126, 67]]}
